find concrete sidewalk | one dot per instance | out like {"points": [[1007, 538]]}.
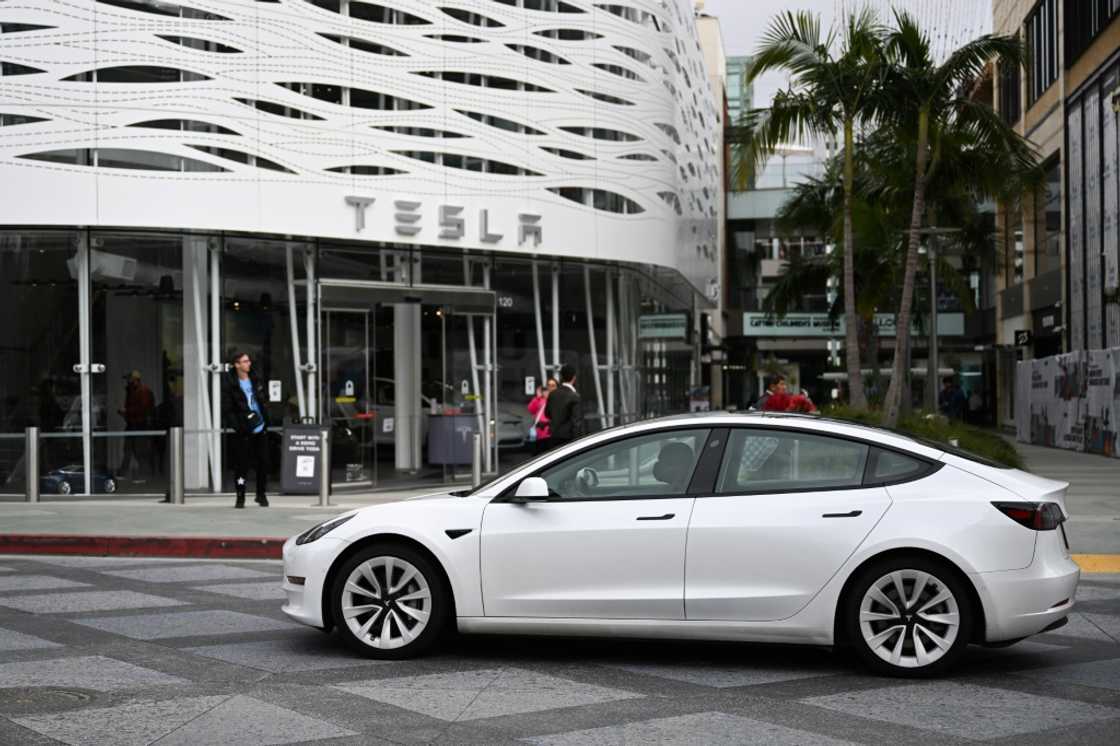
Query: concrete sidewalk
{"points": [[203, 527], [1093, 499]]}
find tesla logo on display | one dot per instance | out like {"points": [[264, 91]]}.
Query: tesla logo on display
{"points": [[407, 215]]}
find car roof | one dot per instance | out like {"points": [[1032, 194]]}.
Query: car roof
{"points": [[789, 420]]}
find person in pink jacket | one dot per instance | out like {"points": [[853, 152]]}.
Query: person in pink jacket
{"points": [[536, 408]]}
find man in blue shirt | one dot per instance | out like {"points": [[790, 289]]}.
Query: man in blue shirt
{"points": [[242, 409]]}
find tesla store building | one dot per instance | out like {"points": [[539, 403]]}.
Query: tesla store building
{"points": [[407, 213]]}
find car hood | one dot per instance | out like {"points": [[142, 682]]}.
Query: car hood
{"points": [[1024, 484], [416, 516]]}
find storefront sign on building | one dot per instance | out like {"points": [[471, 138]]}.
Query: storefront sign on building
{"points": [[821, 325], [408, 217]]}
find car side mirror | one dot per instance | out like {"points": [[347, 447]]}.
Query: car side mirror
{"points": [[531, 488]]}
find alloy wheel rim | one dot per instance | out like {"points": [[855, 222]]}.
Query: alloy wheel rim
{"points": [[909, 618], [386, 602]]}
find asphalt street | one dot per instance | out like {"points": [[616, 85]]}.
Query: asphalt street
{"points": [[140, 651]]}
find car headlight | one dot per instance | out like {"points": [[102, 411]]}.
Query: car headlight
{"points": [[318, 532]]}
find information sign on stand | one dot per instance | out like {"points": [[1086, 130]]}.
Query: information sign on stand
{"points": [[302, 458]]}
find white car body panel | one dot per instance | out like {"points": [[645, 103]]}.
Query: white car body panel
{"points": [[761, 557], [591, 558], [589, 567], [951, 513]]}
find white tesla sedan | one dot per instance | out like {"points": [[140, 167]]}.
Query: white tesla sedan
{"points": [[752, 527]]}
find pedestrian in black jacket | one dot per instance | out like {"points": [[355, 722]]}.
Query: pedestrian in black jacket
{"points": [[243, 409], [563, 410]]}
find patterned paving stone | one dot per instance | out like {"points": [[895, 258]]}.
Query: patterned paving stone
{"points": [[245, 720], [184, 624], [187, 720], [83, 561], [10, 583], [1097, 593], [12, 640], [133, 724], [307, 653], [1080, 627], [81, 601], [709, 728], [94, 672], [1107, 623], [964, 710], [191, 573], [270, 591], [1101, 674], [471, 695], [723, 676]]}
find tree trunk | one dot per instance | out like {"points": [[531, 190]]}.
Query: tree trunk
{"points": [[873, 343], [900, 374], [857, 398]]}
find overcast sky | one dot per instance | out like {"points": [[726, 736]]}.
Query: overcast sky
{"points": [[949, 23], [744, 21]]}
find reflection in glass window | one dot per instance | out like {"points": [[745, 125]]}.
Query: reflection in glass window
{"points": [[1048, 221], [773, 460], [658, 464], [891, 466]]}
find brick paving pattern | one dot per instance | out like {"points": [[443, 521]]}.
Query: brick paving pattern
{"points": [[144, 651]]}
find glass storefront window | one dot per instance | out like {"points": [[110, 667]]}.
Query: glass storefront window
{"points": [[39, 346], [255, 320], [1048, 221], [136, 325]]}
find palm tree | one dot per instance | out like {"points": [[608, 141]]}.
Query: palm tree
{"points": [[880, 216], [833, 84], [954, 138]]}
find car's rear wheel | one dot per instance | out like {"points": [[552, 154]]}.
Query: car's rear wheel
{"points": [[909, 617], [390, 602]]}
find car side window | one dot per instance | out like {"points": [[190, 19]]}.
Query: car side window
{"points": [[891, 466], [775, 460], [648, 465]]}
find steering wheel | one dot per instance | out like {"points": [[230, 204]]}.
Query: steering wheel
{"points": [[587, 479]]}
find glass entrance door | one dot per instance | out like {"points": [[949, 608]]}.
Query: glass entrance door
{"points": [[419, 385], [349, 396]]}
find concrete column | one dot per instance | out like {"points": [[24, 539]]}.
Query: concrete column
{"points": [[406, 381], [196, 355]]}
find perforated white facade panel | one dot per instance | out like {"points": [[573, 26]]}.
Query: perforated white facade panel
{"points": [[573, 128]]}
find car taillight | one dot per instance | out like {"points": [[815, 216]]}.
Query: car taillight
{"points": [[1037, 516]]}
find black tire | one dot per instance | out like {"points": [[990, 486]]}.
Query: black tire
{"points": [[438, 609], [943, 577]]}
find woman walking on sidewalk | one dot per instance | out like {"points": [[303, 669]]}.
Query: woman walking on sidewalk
{"points": [[242, 410]]}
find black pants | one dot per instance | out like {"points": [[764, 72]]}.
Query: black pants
{"points": [[249, 451]]}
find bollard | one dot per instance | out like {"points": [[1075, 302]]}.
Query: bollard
{"points": [[176, 480], [325, 468], [31, 458], [476, 459]]}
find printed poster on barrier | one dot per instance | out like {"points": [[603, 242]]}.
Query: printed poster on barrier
{"points": [[1100, 428]]}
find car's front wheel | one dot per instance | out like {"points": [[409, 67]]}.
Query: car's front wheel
{"points": [[909, 617], [390, 601]]}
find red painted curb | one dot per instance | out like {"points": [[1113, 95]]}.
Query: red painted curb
{"points": [[209, 547]]}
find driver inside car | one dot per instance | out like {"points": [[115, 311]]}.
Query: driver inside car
{"points": [[674, 465]]}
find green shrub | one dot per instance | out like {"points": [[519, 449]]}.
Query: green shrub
{"points": [[987, 444]]}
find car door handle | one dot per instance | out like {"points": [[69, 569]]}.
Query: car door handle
{"points": [[849, 514], [664, 517]]}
